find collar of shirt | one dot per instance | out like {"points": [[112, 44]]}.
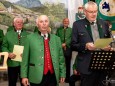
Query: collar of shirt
{"points": [[65, 27], [18, 31], [93, 23], [45, 35]]}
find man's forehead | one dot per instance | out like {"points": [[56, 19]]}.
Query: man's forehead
{"points": [[18, 20], [43, 18], [66, 19]]}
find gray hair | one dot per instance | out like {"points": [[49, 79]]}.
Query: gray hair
{"points": [[16, 18], [89, 3]]}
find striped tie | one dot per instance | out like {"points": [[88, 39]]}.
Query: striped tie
{"points": [[19, 32]]}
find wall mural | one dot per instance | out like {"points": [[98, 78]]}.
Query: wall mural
{"points": [[29, 10]]}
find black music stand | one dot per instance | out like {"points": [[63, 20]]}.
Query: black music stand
{"points": [[103, 60]]}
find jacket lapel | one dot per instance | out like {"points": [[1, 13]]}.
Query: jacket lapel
{"points": [[100, 29], [88, 28]]}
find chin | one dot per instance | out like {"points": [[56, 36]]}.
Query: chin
{"points": [[43, 30], [93, 20]]}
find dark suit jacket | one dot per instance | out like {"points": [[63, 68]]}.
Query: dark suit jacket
{"points": [[81, 35]]}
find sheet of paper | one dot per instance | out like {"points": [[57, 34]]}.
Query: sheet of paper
{"points": [[18, 50], [101, 43]]}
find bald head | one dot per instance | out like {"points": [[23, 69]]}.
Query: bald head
{"points": [[41, 17], [65, 22], [43, 23]]}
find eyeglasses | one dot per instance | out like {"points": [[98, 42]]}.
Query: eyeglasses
{"points": [[91, 11]]}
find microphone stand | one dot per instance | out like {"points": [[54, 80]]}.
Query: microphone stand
{"points": [[109, 80], [113, 42]]}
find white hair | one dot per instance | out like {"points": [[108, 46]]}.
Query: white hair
{"points": [[16, 18], [89, 3]]}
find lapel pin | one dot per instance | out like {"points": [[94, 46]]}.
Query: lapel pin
{"points": [[85, 26]]}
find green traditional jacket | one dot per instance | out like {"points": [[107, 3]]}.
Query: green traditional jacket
{"points": [[36, 29], [10, 28], [11, 39], [33, 58], [65, 36]]}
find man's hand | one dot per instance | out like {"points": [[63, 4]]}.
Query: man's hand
{"points": [[64, 46], [62, 80], [107, 48], [75, 72], [21, 54], [11, 55], [25, 81], [0, 56], [90, 46]]}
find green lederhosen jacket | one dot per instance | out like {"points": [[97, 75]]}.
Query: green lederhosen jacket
{"points": [[68, 34], [11, 39], [33, 58]]}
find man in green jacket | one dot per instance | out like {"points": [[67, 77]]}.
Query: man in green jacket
{"points": [[16, 36], [65, 34], [43, 62]]}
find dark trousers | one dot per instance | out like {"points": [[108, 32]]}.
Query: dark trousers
{"points": [[73, 79], [13, 75], [94, 79], [48, 80], [67, 55]]}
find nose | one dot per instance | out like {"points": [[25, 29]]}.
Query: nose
{"points": [[44, 23]]}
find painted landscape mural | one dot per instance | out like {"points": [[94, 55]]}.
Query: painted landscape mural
{"points": [[29, 10]]}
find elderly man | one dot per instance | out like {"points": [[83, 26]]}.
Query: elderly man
{"points": [[65, 33], [43, 62], [16, 36], [85, 33]]}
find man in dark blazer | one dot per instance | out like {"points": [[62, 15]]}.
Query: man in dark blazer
{"points": [[84, 34], [16, 36], [43, 62]]}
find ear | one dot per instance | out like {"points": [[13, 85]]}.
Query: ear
{"points": [[84, 11], [37, 24]]}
